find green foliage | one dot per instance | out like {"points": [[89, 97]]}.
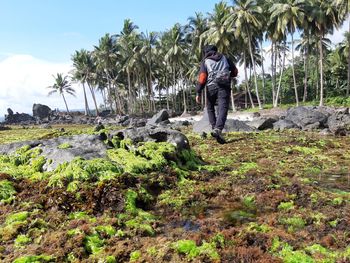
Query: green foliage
{"points": [[286, 206], [64, 146], [24, 162], [179, 196], [34, 259], [7, 191], [263, 228], [80, 170], [135, 255], [22, 240], [107, 230], [294, 223], [17, 217], [93, 243], [191, 250], [244, 168]]}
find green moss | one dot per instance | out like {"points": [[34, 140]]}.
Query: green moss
{"points": [[24, 162], [191, 250], [22, 240], [78, 215], [64, 146], [80, 170], [337, 201], [152, 251], [17, 217], [263, 228], [93, 243], [293, 223], [34, 259], [107, 230], [178, 196], [285, 206], [7, 191], [75, 231], [244, 168], [135, 255]]}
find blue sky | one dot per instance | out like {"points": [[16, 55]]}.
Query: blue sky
{"points": [[54, 29]]}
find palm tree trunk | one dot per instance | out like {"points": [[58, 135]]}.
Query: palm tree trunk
{"points": [[348, 85], [246, 81], [254, 69], [130, 107], [93, 98], [65, 102], [321, 70], [306, 68], [87, 111], [232, 98], [184, 98], [263, 72], [293, 70], [275, 103], [273, 69]]}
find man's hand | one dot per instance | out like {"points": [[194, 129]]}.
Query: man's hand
{"points": [[198, 99]]}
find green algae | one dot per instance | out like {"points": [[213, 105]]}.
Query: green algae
{"points": [[34, 259], [22, 240], [81, 170], [293, 223], [135, 255], [285, 206], [192, 251], [7, 191], [64, 146]]}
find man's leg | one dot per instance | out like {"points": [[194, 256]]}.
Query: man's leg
{"points": [[223, 105], [211, 100]]}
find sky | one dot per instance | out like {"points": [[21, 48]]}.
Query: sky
{"points": [[38, 38]]}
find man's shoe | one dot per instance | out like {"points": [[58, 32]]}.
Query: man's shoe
{"points": [[217, 134]]}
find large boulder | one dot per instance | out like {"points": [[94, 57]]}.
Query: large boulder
{"points": [[41, 111], [161, 116], [19, 118], [262, 123], [63, 149], [281, 125], [154, 134], [305, 116], [232, 125], [339, 123]]}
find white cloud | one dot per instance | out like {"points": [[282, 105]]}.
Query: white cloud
{"points": [[338, 34], [23, 81]]}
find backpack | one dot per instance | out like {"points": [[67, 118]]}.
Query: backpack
{"points": [[218, 72]]}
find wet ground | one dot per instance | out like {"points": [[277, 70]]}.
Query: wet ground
{"points": [[262, 197]]}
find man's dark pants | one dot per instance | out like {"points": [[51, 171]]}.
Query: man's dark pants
{"points": [[221, 95]]}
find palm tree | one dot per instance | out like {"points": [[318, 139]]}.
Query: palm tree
{"points": [[344, 48], [219, 33], [61, 86], [344, 7], [324, 16], [85, 72], [290, 16], [175, 54], [246, 17], [106, 55]]}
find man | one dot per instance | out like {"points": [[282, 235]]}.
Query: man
{"points": [[216, 71]]}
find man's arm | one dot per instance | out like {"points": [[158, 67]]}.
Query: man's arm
{"points": [[202, 78]]}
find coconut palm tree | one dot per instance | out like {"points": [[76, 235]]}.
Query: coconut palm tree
{"points": [[106, 56], [324, 16], [61, 86], [344, 7], [344, 49], [219, 33], [289, 15], [246, 17], [85, 72]]}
